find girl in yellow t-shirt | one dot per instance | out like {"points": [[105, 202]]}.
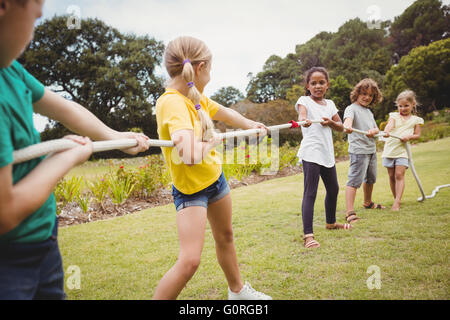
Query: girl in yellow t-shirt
{"points": [[395, 158], [200, 190]]}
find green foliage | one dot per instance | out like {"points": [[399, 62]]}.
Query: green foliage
{"points": [[83, 202], [423, 22], [354, 52], [294, 93], [227, 96], [120, 187], [339, 92], [110, 73], [151, 176], [99, 189], [67, 190], [426, 71], [258, 158], [277, 77]]}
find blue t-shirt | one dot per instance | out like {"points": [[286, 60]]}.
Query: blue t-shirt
{"points": [[18, 91]]}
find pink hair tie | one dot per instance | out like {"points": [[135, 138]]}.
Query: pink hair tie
{"points": [[197, 107], [186, 61], [190, 84]]}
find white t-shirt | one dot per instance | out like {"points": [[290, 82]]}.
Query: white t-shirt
{"points": [[317, 143]]}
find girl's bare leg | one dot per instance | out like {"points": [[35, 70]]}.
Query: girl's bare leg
{"points": [[219, 216], [391, 173], [191, 223], [399, 186]]}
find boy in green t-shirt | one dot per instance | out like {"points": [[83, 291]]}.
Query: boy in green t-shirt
{"points": [[30, 261]]}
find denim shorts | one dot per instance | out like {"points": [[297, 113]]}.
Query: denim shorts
{"points": [[363, 168], [32, 271], [213, 193], [393, 162]]}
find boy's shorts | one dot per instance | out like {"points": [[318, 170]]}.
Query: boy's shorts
{"points": [[393, 162], [32, 271], [363, 168], [213, 193]]}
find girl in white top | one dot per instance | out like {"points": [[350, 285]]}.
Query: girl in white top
{"points": [[395, 158], [317, 152]]}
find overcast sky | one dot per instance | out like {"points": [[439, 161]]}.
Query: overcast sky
{"points": [[241, 34]]}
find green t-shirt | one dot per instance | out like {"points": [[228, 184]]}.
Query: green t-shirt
{"points": [[18, 91]]}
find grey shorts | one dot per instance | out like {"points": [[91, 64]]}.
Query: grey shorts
{"points": [[363, 168], [393, 162]]}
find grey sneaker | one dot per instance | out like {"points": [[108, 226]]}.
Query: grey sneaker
{"points": [[247, 293]]}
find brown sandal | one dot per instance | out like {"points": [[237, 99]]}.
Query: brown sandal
{"points": [[374, 205], [345, 226], [312, 243], [351, 216]]}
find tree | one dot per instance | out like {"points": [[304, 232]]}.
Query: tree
{"points": [[263, 87], [420, 24], [426, 71], [227, 96], [354, 52], [339, 92], [294, 93], [109, 73]]}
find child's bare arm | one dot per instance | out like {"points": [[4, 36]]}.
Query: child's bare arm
{"points": [[81, 121], [372, 132], [334, 123], [302, 115], [390, 125], [348, 125], [191, 150], [18, 201], [235, 119]]}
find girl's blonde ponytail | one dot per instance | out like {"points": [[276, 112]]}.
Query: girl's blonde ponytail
{"points": [[180, 57]]}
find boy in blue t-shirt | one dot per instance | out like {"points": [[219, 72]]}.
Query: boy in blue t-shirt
{"points": [[30, 261]]}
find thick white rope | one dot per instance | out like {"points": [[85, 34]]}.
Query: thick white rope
{"points": [[58, 145]]}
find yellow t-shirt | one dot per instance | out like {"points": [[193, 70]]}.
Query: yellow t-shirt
{"points": [[394, 148], [174, 112]]}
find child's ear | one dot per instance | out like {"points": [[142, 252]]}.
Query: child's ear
{"points": [[198, 68]]}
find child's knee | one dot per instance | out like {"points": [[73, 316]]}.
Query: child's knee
{"points": [[189, 266], [225, 237], [399, 175]]}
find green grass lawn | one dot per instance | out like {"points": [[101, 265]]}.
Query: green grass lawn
{"points": [[125, 257]]}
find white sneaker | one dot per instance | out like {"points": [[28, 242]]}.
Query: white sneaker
{"points": [[247, 293]]}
